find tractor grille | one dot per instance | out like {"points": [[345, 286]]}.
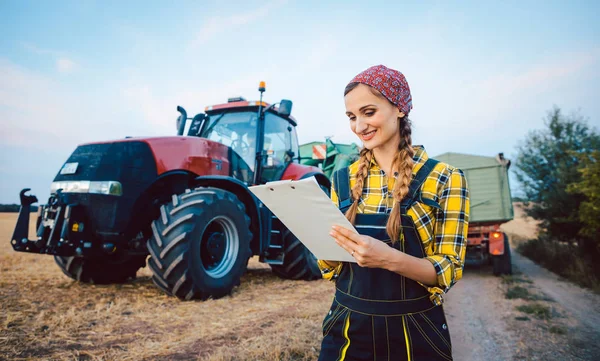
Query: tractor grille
{"points": [[131, 163]]}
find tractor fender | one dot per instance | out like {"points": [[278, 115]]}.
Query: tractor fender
{"points": [[146, 207], [320, 177], [259, 215]]}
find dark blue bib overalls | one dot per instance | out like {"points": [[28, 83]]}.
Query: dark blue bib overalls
{"points": [[379, 315]]}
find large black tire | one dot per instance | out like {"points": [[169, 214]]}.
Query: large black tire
{"points": [[117, 268], [299, 263], [200, 244], [502, 265]]}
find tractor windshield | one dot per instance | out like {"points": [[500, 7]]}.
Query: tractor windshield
{"points": [[235, 130]]}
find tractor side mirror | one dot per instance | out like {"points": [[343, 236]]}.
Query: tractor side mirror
{"points": [[194, 130], [285, 108]]}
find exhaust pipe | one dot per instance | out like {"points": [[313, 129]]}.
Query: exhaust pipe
{"points": [[181, 120]]}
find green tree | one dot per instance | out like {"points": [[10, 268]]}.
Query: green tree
{"points": [[547, 163], [589, 209]]}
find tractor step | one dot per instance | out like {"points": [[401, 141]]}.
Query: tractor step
{"points": [[275, 253]]}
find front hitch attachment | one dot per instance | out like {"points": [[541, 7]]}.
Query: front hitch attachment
{"points": [[21, 233], [53, 226]]}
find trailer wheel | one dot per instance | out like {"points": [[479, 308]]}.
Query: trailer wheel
{"points": [[299, 263], [502, 265], [108, 269], [200, 244]]}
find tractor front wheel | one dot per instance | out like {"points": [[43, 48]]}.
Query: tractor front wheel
{"points": [[117, 268], [200, 244]]}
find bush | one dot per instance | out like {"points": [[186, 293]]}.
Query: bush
{"points": [[563, 259]]}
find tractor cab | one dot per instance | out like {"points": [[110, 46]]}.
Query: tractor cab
{"points": [[261, 137]]}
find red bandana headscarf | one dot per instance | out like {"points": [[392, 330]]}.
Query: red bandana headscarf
{"points": [[390, 83]]}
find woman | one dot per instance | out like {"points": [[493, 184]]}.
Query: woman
{"points": [[412, 234]]}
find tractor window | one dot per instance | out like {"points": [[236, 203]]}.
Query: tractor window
{"points": [[278, 138], [235, 130], [279, 141]]}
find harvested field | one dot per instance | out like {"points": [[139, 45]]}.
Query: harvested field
{"points": [[47, 315]]}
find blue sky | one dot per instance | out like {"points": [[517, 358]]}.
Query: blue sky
{"points": [[482, 76]]}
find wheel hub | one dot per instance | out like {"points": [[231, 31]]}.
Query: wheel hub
{"points": [[216, 245], [219, 246]]}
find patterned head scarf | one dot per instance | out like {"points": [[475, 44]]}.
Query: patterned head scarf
{"points": [[390, 83]]}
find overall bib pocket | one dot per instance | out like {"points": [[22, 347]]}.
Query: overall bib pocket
{"points": [[336, 312]]}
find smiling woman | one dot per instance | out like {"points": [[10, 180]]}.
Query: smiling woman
{"points": [[412, 215]]}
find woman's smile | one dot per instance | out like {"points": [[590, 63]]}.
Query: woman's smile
{"points": [[368, 135]]}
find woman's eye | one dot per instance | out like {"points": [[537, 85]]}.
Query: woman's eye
{"points": [[351, 118], [368, 114]]}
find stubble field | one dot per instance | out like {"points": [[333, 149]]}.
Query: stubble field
{"points": [[46, 315]]}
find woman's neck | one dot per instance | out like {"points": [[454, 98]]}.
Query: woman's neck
{"points": [[384, 155]]}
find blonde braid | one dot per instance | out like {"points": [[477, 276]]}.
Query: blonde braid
{"points": [[361, 175], [403, 163]]}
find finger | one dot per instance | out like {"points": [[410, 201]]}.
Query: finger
{"points": [[344, 244], [342, 238], [342, 241], [352, 236]]}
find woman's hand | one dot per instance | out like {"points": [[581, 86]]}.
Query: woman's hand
{"points": [[368, 251]]}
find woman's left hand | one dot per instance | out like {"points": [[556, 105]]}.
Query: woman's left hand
{"points": [[368, 251]]}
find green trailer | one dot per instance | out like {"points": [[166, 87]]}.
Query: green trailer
{"points": [[491, 205], [328, 156]]}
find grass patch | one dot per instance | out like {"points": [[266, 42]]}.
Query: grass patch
{"points": [[511, 279], [537, 310], [519, 292], [559, 330], [522, 318], [516, 292]]}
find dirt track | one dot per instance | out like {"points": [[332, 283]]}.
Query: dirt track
{"points": [[484, 324]]}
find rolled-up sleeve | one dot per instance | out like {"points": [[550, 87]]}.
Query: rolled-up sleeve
{"points": [[330, 270], [450, 235]]}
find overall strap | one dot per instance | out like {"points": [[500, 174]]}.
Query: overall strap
{"points": [[417, 181], [341, 183]]}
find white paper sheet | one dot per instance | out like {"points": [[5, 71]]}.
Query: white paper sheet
{"points": [[308, 213]]}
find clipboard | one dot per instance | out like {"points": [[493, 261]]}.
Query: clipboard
{"points": [[308, 213]]}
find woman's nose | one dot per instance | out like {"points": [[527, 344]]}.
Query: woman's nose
{"points": [[360, 125]]}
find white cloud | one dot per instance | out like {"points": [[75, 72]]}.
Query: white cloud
{"points": [[41, 51], [38, 112], [158, 106], [65, 65], [539, 76], [496, 111], [219, 24]]}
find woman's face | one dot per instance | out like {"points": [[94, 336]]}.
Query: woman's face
{"points": [[372, 118]]}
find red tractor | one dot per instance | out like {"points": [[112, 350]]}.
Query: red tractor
{"points": [[182, 200]]}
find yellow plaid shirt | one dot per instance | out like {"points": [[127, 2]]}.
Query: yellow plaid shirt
{"points": [[443, 232]]}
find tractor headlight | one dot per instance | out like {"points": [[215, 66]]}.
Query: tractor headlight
{"points": [[112, 188]]}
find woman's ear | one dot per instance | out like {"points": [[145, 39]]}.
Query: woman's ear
{"points": [[401, 114]]}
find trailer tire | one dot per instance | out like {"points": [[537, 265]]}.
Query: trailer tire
{"points": [[118, 268], [502, 264], [298, 263], [200, 244]]}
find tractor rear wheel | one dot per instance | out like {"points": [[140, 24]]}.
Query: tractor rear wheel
{"points": [[502, 264], [299, 263], [200, 244], [117, 268]]}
